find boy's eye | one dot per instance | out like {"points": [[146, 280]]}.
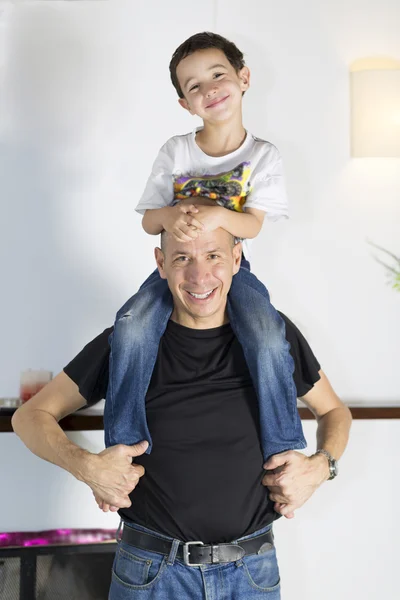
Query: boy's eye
{"points": [[194, 87], [218, 74]]}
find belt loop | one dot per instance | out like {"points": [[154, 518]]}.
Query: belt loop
{"points": [[173, 551], [117, 536]]}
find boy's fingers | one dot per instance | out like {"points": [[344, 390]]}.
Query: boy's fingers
{"points": [[191, 208], [182, 237], [195, 223], [189, 231]]}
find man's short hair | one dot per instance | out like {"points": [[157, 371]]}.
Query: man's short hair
{"points": [[163, 239], [204, 41]]}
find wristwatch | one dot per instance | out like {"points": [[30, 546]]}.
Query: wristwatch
{"points": [[333, 464]]}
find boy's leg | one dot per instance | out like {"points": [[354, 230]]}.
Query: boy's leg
{"points": [[138, 328], [261, 332]]}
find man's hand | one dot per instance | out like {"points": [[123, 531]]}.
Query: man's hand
{"points": [[112, 476], [181, 223], [292, 478]]}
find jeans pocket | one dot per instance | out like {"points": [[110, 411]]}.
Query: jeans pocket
{"points": [[262, 570], [136, 568]]}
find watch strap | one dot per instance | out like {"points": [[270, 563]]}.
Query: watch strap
{"points": [[332, 462]]}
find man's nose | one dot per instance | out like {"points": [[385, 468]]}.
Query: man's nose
{"points": [[198, 273]]}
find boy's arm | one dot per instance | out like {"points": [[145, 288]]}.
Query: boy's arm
{"points": [[243, 225], [153, 220], [155, 203], [177, 220]]}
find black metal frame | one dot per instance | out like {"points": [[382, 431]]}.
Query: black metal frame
{"points": [[28, 555]]}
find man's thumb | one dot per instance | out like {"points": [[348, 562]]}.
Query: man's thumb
{"points": [[140, 448], [275, 461]]}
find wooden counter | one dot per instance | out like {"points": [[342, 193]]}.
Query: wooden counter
{"points": [[81, 422]]}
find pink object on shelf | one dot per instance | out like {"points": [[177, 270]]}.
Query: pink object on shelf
{"points": [[54, 537], [32, 381]]}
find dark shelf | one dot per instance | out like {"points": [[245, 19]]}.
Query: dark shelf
{"points": [[77, 422], [74, 422], [363, 412]]}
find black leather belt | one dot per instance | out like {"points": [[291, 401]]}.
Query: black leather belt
{"points": [[196, 554]]}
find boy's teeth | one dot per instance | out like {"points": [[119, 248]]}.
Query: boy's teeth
{"points": [[201, 296]]}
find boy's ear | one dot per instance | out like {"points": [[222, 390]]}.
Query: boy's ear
{"points": [[244, 76], [185, 104]]}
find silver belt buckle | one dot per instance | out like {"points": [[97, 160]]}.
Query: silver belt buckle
{"points": [[186, 553]]}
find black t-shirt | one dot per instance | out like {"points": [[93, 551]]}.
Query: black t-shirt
{"points": [[203, 477]]}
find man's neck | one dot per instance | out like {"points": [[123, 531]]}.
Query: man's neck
{"points": [[220, 139], [192, 322]]}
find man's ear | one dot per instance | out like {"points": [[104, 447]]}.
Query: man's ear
{"points": [[244, 76], [160, 260], [237, 257], [185, 104]]}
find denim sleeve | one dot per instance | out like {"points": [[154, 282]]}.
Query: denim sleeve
{"points": [[307, 367], [89, 369]]}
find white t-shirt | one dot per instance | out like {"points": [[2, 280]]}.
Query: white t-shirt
{"points": [[249, 177]]}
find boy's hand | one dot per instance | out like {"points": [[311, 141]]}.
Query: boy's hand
{"points": [[181, 223], [211, 217]]}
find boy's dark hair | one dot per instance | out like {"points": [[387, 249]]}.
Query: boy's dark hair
{"points": [[204, 41]]}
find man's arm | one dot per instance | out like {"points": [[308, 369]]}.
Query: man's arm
{"points": [[110, 474], [333, 418], [295, 477]]}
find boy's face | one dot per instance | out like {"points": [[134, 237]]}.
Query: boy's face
{"points": [[212, 88]]}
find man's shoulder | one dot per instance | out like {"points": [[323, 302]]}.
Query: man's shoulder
{"points": [[291, 329]]}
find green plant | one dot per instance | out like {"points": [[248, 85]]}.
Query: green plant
{"points": [[393, 270]]}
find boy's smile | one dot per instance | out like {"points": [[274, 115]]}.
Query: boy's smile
{"points": [[217, 102], [211, 86]]}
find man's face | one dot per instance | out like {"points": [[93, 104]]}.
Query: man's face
{"points": [[212, 88], [199, 275]]}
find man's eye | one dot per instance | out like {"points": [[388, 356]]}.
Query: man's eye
{"points": [[181, 259], [214, 256]]}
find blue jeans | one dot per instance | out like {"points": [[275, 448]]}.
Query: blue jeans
{"points": [[260, 330], [140, 574]]}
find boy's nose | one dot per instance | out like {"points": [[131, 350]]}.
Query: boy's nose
{"points": [[212, 90]]}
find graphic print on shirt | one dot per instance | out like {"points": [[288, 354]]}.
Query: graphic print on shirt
{"points": [[229, 189]]}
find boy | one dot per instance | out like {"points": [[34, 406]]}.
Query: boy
{"points": [[195, 179]]}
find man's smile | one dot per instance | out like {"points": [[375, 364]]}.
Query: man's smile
{"points": [[202, 296]]}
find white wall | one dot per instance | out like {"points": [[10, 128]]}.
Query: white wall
{"points": [[85, 103]]}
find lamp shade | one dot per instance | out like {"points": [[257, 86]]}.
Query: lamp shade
{"points": [[375, 108]]}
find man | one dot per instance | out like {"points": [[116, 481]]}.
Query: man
{"points": [[197, 510]]}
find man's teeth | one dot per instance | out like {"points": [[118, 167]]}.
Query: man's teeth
{"points": [[201, 296]]}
